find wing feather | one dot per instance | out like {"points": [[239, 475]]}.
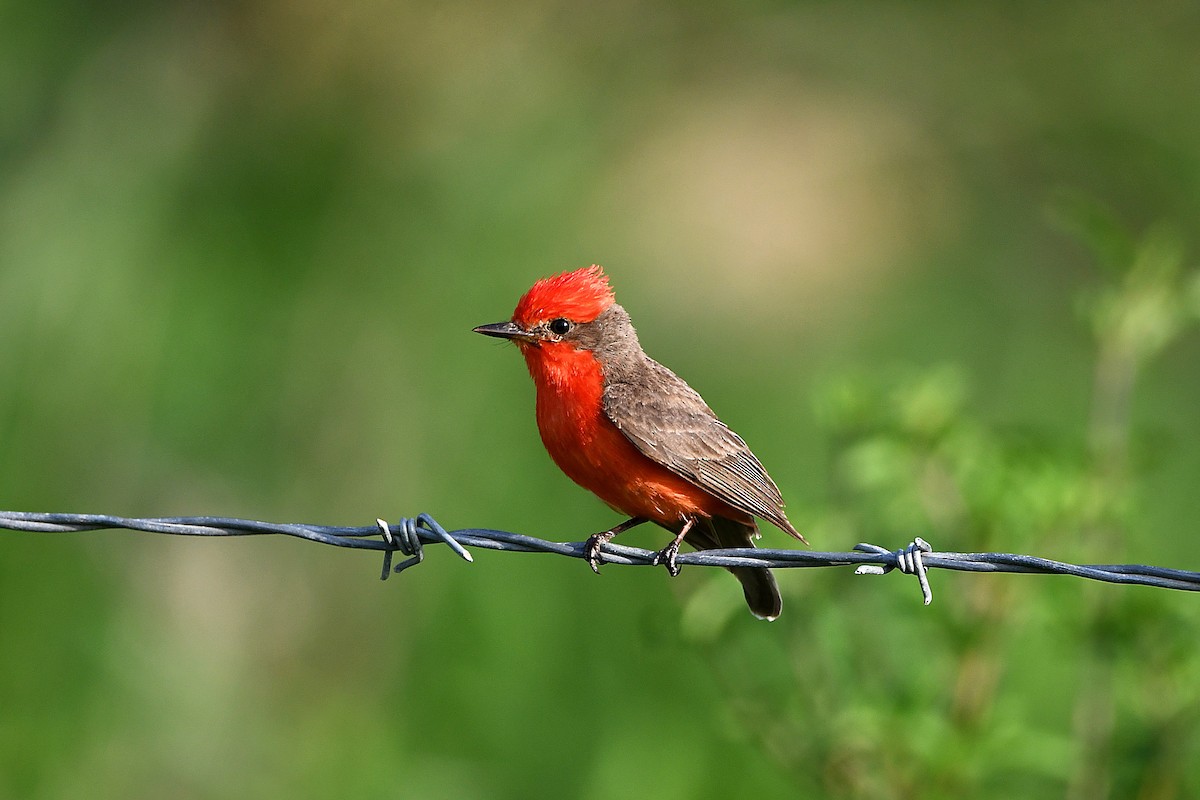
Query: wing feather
{"points": [[671, 424]]}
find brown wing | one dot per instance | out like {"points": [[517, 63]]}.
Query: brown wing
{"points": [[670, 423]]}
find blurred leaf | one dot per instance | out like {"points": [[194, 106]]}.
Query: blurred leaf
{"points": [[1095, 225], [931, 402], [1148, 308], [1193, 293]]}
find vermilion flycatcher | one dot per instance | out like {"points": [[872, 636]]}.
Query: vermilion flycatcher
{"points": [[628, 429]]}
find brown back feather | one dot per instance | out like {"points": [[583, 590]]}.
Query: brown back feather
{"points": [[671, 424]]}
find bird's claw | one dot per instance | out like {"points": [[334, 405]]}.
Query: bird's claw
{"points": [[592, 549], [667, 556]]}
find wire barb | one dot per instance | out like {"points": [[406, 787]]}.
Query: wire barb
{"points": [[409, 536], [408, 542], [910, 561]]}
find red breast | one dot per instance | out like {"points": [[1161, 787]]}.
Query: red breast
{"points": [[594, 453]]}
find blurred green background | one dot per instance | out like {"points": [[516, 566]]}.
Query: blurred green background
{"points": [[935, 262]]}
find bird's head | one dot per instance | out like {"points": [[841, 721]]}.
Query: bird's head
{"points": [[559, 311]]}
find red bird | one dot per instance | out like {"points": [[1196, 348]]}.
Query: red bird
{"points": [[628, 429]]}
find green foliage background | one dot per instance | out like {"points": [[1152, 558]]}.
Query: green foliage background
{"points": [[935, 262]]}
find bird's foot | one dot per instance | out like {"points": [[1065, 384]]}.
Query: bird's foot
{"points": [[591, 547], [667, 556], [592, 551]]}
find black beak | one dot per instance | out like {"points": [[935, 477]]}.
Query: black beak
{"points": [[504, 330]]}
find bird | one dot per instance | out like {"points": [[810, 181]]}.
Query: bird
{"points": [[635, 434]]}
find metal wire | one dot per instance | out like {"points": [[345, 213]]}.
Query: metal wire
{"points": [[408, 537]]}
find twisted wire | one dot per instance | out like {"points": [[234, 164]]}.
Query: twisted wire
{"points": [[408, 537]]}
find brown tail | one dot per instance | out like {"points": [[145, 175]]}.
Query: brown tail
{"points": [[759, 586]]}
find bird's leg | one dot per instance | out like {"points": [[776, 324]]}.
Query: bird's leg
{"points": [[667, 554], [591, 548]]}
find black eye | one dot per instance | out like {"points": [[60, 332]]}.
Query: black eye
{"points": [[560, 326]]}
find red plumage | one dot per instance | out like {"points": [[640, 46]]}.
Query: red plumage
{"points": [[593, 452], [580, 296], [629, 430]]}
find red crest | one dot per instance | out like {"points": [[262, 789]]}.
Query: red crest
{"points": [[580, 296]]}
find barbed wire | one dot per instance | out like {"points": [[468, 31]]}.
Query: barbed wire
{"points": [[409, 536]]}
